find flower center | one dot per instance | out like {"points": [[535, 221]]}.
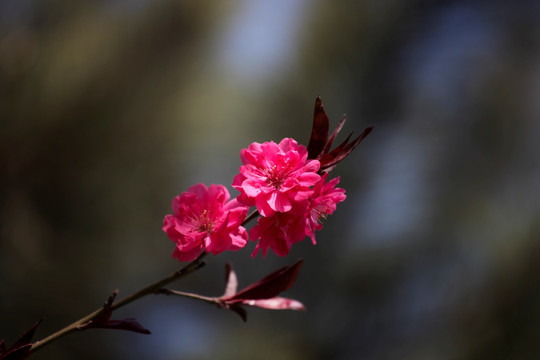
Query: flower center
{"points": [[205, 222], [275, 176], [320, 214]]}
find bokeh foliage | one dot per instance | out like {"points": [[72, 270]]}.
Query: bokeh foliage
{"points": [[109, 109]]}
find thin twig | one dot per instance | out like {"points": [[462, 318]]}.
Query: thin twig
{"points": [[154, 288], [207, 299], [250, 217], [150, 289]]}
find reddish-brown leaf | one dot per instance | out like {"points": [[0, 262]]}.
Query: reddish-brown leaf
{"points": [[102, 320], [20, 353], [21, 349], [123, 324], [342, 151], [319, 132], [269, 286], [231, 281], [261, 293], [319, 143], [276, 303], [237, 308]]}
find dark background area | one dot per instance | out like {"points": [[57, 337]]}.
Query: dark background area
{"points": [[109, 109]]}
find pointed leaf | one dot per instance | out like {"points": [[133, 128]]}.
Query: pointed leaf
{"points": [[333, 137], [319, 132], [231, 281], [335, 155], [103, 316], [21, 349], [124, 324], [237, 308], [269, 286], [102, 320], [20, 353], [276, 303], [342, 151], [26, 338]]}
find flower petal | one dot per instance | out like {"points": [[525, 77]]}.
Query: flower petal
{"points": [[279, 202], [189, 255]]}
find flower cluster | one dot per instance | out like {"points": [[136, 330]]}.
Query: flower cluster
{"points": [[288, 185], [287, 190]]}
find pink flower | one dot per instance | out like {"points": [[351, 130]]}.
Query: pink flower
{"points": [[205, 220], [276, 177], [279, 231], [323, 203]]}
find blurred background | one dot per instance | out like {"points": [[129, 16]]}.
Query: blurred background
{"points": [[111, 108]]}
